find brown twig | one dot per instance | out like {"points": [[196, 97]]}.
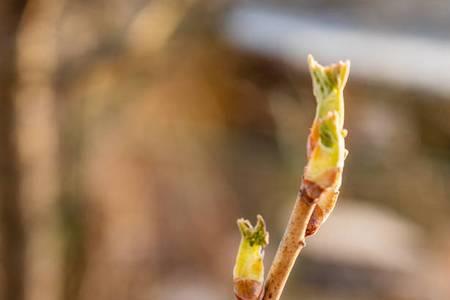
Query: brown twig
{"points": [[320, 185], [292, 243], [322, 175]]}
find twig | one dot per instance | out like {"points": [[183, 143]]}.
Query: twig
{"points": [[322, 176], [317, 196], [290, 247]]}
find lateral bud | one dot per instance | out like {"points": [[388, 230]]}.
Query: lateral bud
{"points": [[248, 273]]}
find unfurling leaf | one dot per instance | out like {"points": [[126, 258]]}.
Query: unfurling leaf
{"points": [[248, 274]]}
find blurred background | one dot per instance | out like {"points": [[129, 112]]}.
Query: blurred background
{"points": [[134, 133]]}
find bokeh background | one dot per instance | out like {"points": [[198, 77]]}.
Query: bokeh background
{"points": [[134, 133]]}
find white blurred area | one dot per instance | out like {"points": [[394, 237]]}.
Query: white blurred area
{"points": [[387, 57]]}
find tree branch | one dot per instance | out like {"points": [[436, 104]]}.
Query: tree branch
{"points": [[322, 175]]}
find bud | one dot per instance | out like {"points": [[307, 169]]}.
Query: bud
{"points": [[326, 144], [248, 273]]}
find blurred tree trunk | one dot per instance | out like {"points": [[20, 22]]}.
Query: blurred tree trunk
{"points": [[38, 148], [12, 230]]}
